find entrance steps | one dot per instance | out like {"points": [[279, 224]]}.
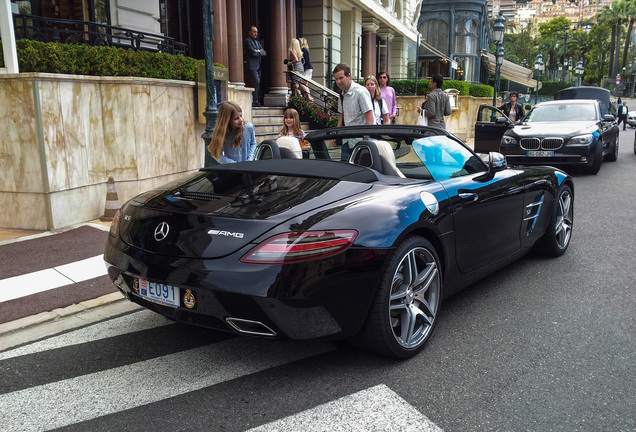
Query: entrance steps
{"points": [[268, 121]]}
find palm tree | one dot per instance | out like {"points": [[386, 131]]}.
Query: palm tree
{"points": [[610, 15], [578, 45], [631, 13], [621, 10]]}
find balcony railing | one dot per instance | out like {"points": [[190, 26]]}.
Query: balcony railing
{"points": [[86, 32]]}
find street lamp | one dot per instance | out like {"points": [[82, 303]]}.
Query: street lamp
{"points": [[500, 59], [578, 70], [561, 71], [538, 66], [632, 66], [499, 28], [570, 66], [210, 113], [498, 36], [565, 37], [524, 63]]}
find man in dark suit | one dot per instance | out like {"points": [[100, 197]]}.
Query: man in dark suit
{"points": [[622, 114], [252, 54]]}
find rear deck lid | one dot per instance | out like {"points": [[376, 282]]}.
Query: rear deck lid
{"points": [[214, 213]]}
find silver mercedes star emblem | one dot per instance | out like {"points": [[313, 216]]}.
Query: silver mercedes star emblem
{"points": [[161, 232]]}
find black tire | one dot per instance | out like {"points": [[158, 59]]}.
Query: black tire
{"points": [[595, 166], [404, 311], [557, 236], [613, 156]]}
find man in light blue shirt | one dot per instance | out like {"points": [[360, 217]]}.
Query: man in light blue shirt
{"points": [[355, 105]]}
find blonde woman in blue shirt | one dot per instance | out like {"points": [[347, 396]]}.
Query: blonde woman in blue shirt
{"points": [[233, 140]]}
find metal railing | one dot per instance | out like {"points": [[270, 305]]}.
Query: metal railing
{"points": [[87, 32], [321, 95]]}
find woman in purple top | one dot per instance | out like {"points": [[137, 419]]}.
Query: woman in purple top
{"points": [[388, 94], [233, 140]]}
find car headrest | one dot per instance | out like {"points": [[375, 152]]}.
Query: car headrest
{"points": [[377, 155], [388, 159], [289, 148], [267, 149]]}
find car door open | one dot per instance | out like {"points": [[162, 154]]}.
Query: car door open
{"points": [[490, 126]]}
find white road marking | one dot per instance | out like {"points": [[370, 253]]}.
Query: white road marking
{"points": [[70, 401], [85, 269], [48, 279], [134, 322], [374, 409]]}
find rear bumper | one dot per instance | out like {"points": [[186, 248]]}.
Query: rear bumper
{"points": [[327, 298]]}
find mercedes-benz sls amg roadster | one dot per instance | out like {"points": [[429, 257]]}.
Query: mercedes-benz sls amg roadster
{"points": [[359, 233]]}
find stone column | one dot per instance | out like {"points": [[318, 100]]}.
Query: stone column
{"points": [[278, 51], [220, 32], [290, 18], [385, 34], [235, 38], [369, 58]]}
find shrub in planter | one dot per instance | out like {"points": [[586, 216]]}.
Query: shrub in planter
{"points": [[311, 112], [52, 57]]}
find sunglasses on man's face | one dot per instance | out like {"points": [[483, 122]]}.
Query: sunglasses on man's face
{"points": [[382, 77]]}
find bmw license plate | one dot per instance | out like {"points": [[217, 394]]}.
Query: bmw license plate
{"points": [[158, 292], [540, 153]]}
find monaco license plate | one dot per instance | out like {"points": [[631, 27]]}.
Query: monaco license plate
{"points": [[158, 292], [540, 153]]}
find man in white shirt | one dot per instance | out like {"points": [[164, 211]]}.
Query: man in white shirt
{"points": [[354, 105]]}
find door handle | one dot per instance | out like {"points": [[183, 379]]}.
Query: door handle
{"points": [[468, 196]]}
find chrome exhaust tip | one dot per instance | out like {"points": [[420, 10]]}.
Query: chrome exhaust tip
{"points": [[249, 327]]}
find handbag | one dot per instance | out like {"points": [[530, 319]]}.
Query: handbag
{"points": [[422, 120]]}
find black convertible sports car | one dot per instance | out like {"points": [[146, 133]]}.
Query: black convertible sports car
{"points": [[302, 245]]}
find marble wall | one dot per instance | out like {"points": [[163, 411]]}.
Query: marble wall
{"points": [[63, 136], [460, 123]]}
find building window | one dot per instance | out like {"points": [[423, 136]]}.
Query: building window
{"points": [[436, 33]]}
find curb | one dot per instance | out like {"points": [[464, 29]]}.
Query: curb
{"points": [[57, 314]]}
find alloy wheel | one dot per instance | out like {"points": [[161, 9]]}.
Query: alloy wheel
{"points": [[414, 298], [564, 219]]}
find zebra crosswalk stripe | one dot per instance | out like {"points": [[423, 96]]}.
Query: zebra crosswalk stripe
{"points": [[375, 409], [88, 396]]}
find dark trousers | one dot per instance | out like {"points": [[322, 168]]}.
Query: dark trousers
{"points": [[622, 118], [255, 74]]}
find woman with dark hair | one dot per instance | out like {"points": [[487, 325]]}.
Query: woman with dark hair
{"points": [[233, 140], [388, 94], [512, 109], [309, 69]]}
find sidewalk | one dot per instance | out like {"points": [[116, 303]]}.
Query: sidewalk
{"points": [[46, 276]]}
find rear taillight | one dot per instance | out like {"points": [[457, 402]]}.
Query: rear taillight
{"points": [[300, 246], [114, 225]]}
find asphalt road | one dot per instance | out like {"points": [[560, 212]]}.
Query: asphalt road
{"points": [[542, 345]]}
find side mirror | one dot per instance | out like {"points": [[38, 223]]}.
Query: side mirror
{"points": [[496, 162], [503, 120], [609, 118]]}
